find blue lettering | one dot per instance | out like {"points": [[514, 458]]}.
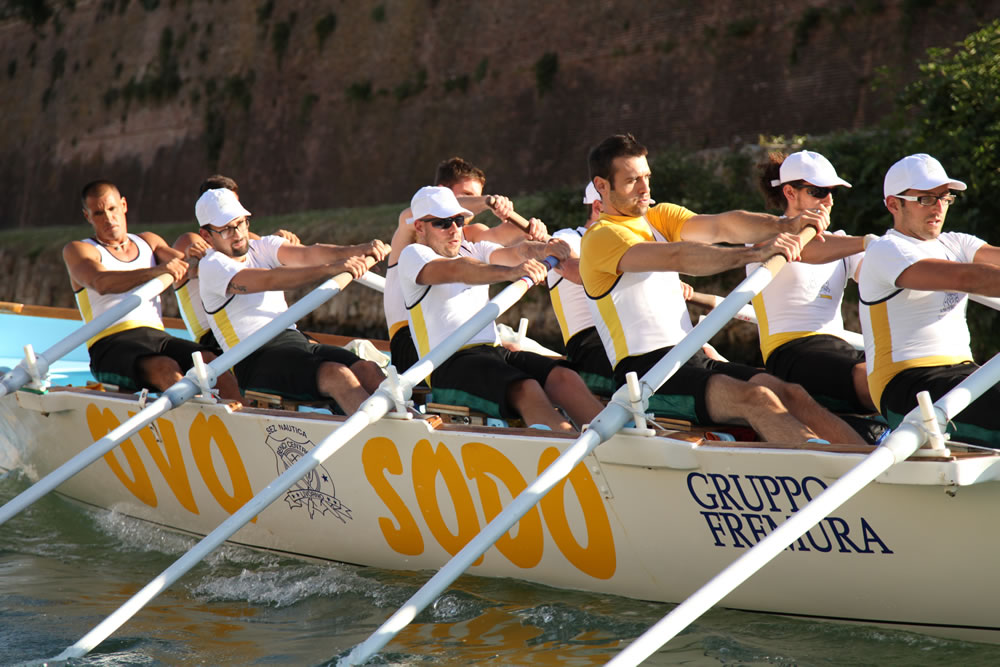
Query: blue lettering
{"points": [[694, 494], [715, 527], [739, 487], [840, 530], [736, 530], [722, 486], [805, 486], [755, 522], [770, 493], [785, 481], [870, 536], [829, 545]]}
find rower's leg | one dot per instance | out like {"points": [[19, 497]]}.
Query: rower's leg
{"points": [[159, 371], [339, 383], [369, 374], [529, 399], [859, 375], [568, 390], [803, 407], [728, 399]]}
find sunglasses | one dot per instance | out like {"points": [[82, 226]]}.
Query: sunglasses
{"points": [[928, 200], [230, 230], [814, 190], [446, 223]]}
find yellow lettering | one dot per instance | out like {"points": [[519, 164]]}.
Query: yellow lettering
{"points": [[482, 463], [172, 464], [427, 464], [100, 424], [380, 454], [598, 558], [202, 434]]}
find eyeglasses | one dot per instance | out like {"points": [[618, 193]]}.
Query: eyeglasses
{"points": [[814, 190], [446, 223], [929, 200], [230, 230]]}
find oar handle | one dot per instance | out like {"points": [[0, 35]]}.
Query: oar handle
{"points": [[707, 300], [514, 216], [777, 261]]}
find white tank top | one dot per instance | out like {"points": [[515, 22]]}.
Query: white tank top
{"points": [[92, 304], [192, 311], [642, 312], [569, 300], [392, 301]]}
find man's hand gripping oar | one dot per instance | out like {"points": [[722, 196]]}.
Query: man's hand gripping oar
{"points": [[198, 379], [392, 394], [34, 368], [620, 410]]}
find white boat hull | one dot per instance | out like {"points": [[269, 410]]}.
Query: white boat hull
{"points": [[649, 518]]}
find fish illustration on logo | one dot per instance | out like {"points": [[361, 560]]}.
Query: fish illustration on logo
{"points": [[315, 491]]}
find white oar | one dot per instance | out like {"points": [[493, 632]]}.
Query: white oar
{"points": [[899, 445], [373, 281], [21, 374], [374, 408], [605, 425], [748, 314], [177, 394]]}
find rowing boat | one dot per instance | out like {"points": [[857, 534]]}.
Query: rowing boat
{"points": [[646, 516]]}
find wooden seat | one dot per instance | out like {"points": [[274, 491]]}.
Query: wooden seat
{"points": [[260, 399]]}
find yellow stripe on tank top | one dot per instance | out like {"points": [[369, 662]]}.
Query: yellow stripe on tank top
{"points": [[183, 295], [226, 328], [606, 308], [557, 305], [419, 330]]}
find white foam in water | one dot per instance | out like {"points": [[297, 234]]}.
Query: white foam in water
{"points": [[283, 585]]}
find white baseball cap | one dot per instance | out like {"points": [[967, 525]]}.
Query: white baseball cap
{"points": [[920, 172], [217, 207], [811, 167], [590, 195], [436, 201]]}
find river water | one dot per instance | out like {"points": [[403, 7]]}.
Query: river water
{"points": [[64, 567]]}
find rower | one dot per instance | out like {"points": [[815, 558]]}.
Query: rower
{"points": [[584, 350], [135, 352], [444, 279], [241, 287], [799, 312], [466, 182], [913, 289], [194, 248], [629, 264]]}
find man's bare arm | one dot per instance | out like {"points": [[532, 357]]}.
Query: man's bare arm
{"points": [[987, 254], [85, 270], [747, 227], [700, 259], [465, 270], [834, 247], [251, 281], [323, 253], [942, 275]]}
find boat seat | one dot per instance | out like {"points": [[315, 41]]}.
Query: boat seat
{"points": [[261, 399], [457, 414]]}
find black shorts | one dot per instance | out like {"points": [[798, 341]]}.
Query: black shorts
{"points": [[402, 350], [288, 364], [823, 365], [208, 342], [479, 376], [114, 359], [585, 354], [682, 396], [979, 423]]}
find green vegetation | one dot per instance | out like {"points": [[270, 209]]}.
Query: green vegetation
{"points": [[545, 72], [459, 83], [12, 68], [741, 27], [305, 109], [324, 27], [280, 38], [411, 87], [359, 91], [378, 14], [482, 67]]}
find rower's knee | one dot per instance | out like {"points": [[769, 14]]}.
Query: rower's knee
{"points": [[330, 375], [369, 374], [159, 371], [524, 392]]}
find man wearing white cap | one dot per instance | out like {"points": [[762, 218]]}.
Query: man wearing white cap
{"points": [[445, 281], [630, 264], [241, 283], [799, 312], [913, 289], [466, 181], [135, 352]]}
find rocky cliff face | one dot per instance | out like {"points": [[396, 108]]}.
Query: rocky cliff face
{"points": [[316, 105]]}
